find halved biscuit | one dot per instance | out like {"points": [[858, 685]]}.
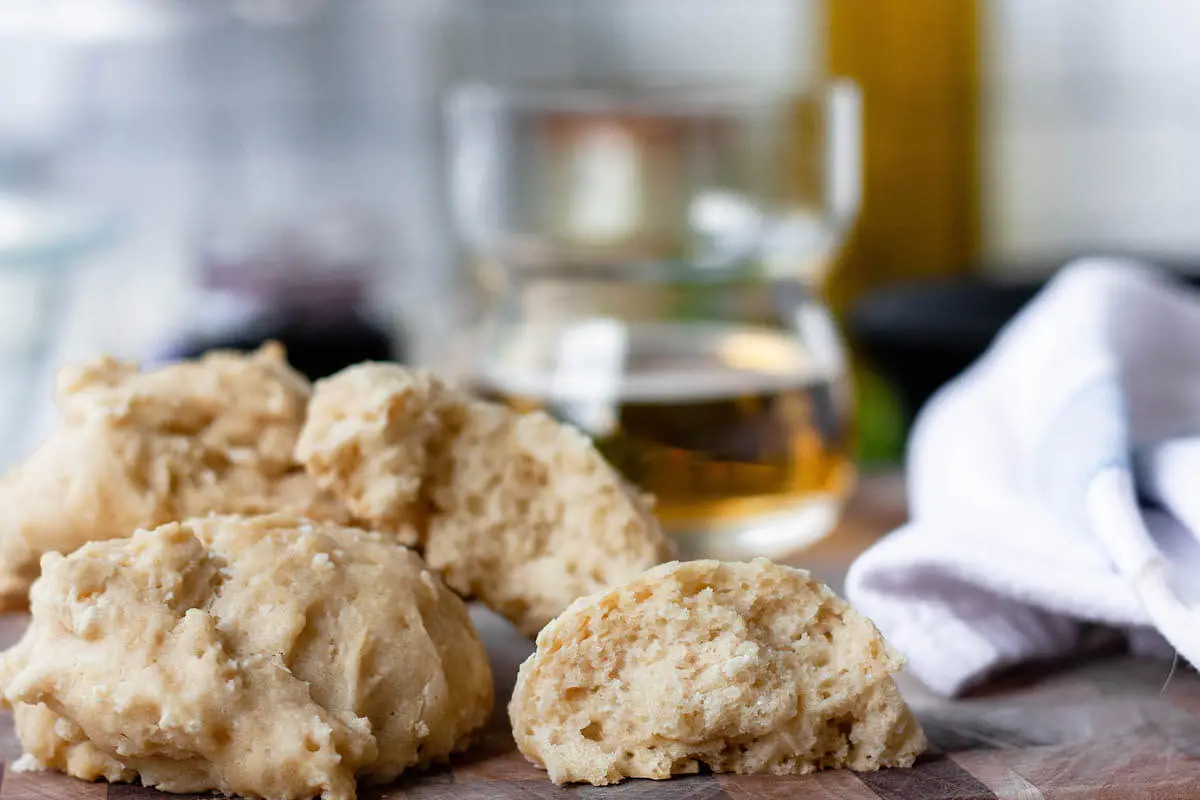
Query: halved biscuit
{"points": [[517, 510], [745, 667]]}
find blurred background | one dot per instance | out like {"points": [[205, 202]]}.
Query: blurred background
{"points": [[178, 175]]}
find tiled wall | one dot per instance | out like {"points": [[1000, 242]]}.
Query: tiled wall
{"points": [[1091, 127], [766, 41], [1091, 135], [224, 115]]}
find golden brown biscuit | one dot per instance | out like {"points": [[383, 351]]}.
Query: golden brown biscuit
{"points": [[744, 667], [517, 510], [263, 656], [136, 449]]}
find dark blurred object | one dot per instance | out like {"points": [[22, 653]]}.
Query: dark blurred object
{"points": [[918, 336], [305, 283], [316, 351]]}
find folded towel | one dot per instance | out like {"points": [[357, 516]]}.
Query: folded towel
{"points": [[1055, 483]]}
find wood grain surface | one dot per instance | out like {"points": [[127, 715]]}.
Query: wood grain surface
{"points": [[1106, 726]]}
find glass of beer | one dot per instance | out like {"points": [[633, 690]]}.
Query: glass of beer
{"points": [[649, 263]]}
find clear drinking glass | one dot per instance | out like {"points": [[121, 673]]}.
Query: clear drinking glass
{"points": [[648, 259]]}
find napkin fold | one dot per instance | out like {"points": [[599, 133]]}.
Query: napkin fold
{"points": [[1054, 483]]}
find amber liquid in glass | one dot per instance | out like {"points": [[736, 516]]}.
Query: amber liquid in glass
{"points": [[744, 442]]}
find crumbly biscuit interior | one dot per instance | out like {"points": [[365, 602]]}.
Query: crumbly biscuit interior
{"points": [[743, 667]]}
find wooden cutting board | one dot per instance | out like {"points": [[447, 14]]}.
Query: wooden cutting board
{"points": [[1109, 726], [1105, 728]]}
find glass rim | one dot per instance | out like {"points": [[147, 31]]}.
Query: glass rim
{"points": [[656, 97]]}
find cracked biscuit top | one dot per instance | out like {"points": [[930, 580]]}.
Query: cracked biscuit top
{"points": [[262, 656], [135, 449]]}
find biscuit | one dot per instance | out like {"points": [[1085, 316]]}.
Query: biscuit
{"points": [[261, 656], [136, 449], [745, 667], [516, 510]]}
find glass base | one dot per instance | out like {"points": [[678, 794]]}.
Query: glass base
{"points": [[771, 535]]}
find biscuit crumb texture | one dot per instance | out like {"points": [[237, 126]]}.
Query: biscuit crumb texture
{"points": [[261, 656], [137, 449], [746, 667], [516, 510]]}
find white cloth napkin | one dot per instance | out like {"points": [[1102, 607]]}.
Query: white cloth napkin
{"points": [[1054, 483]]}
